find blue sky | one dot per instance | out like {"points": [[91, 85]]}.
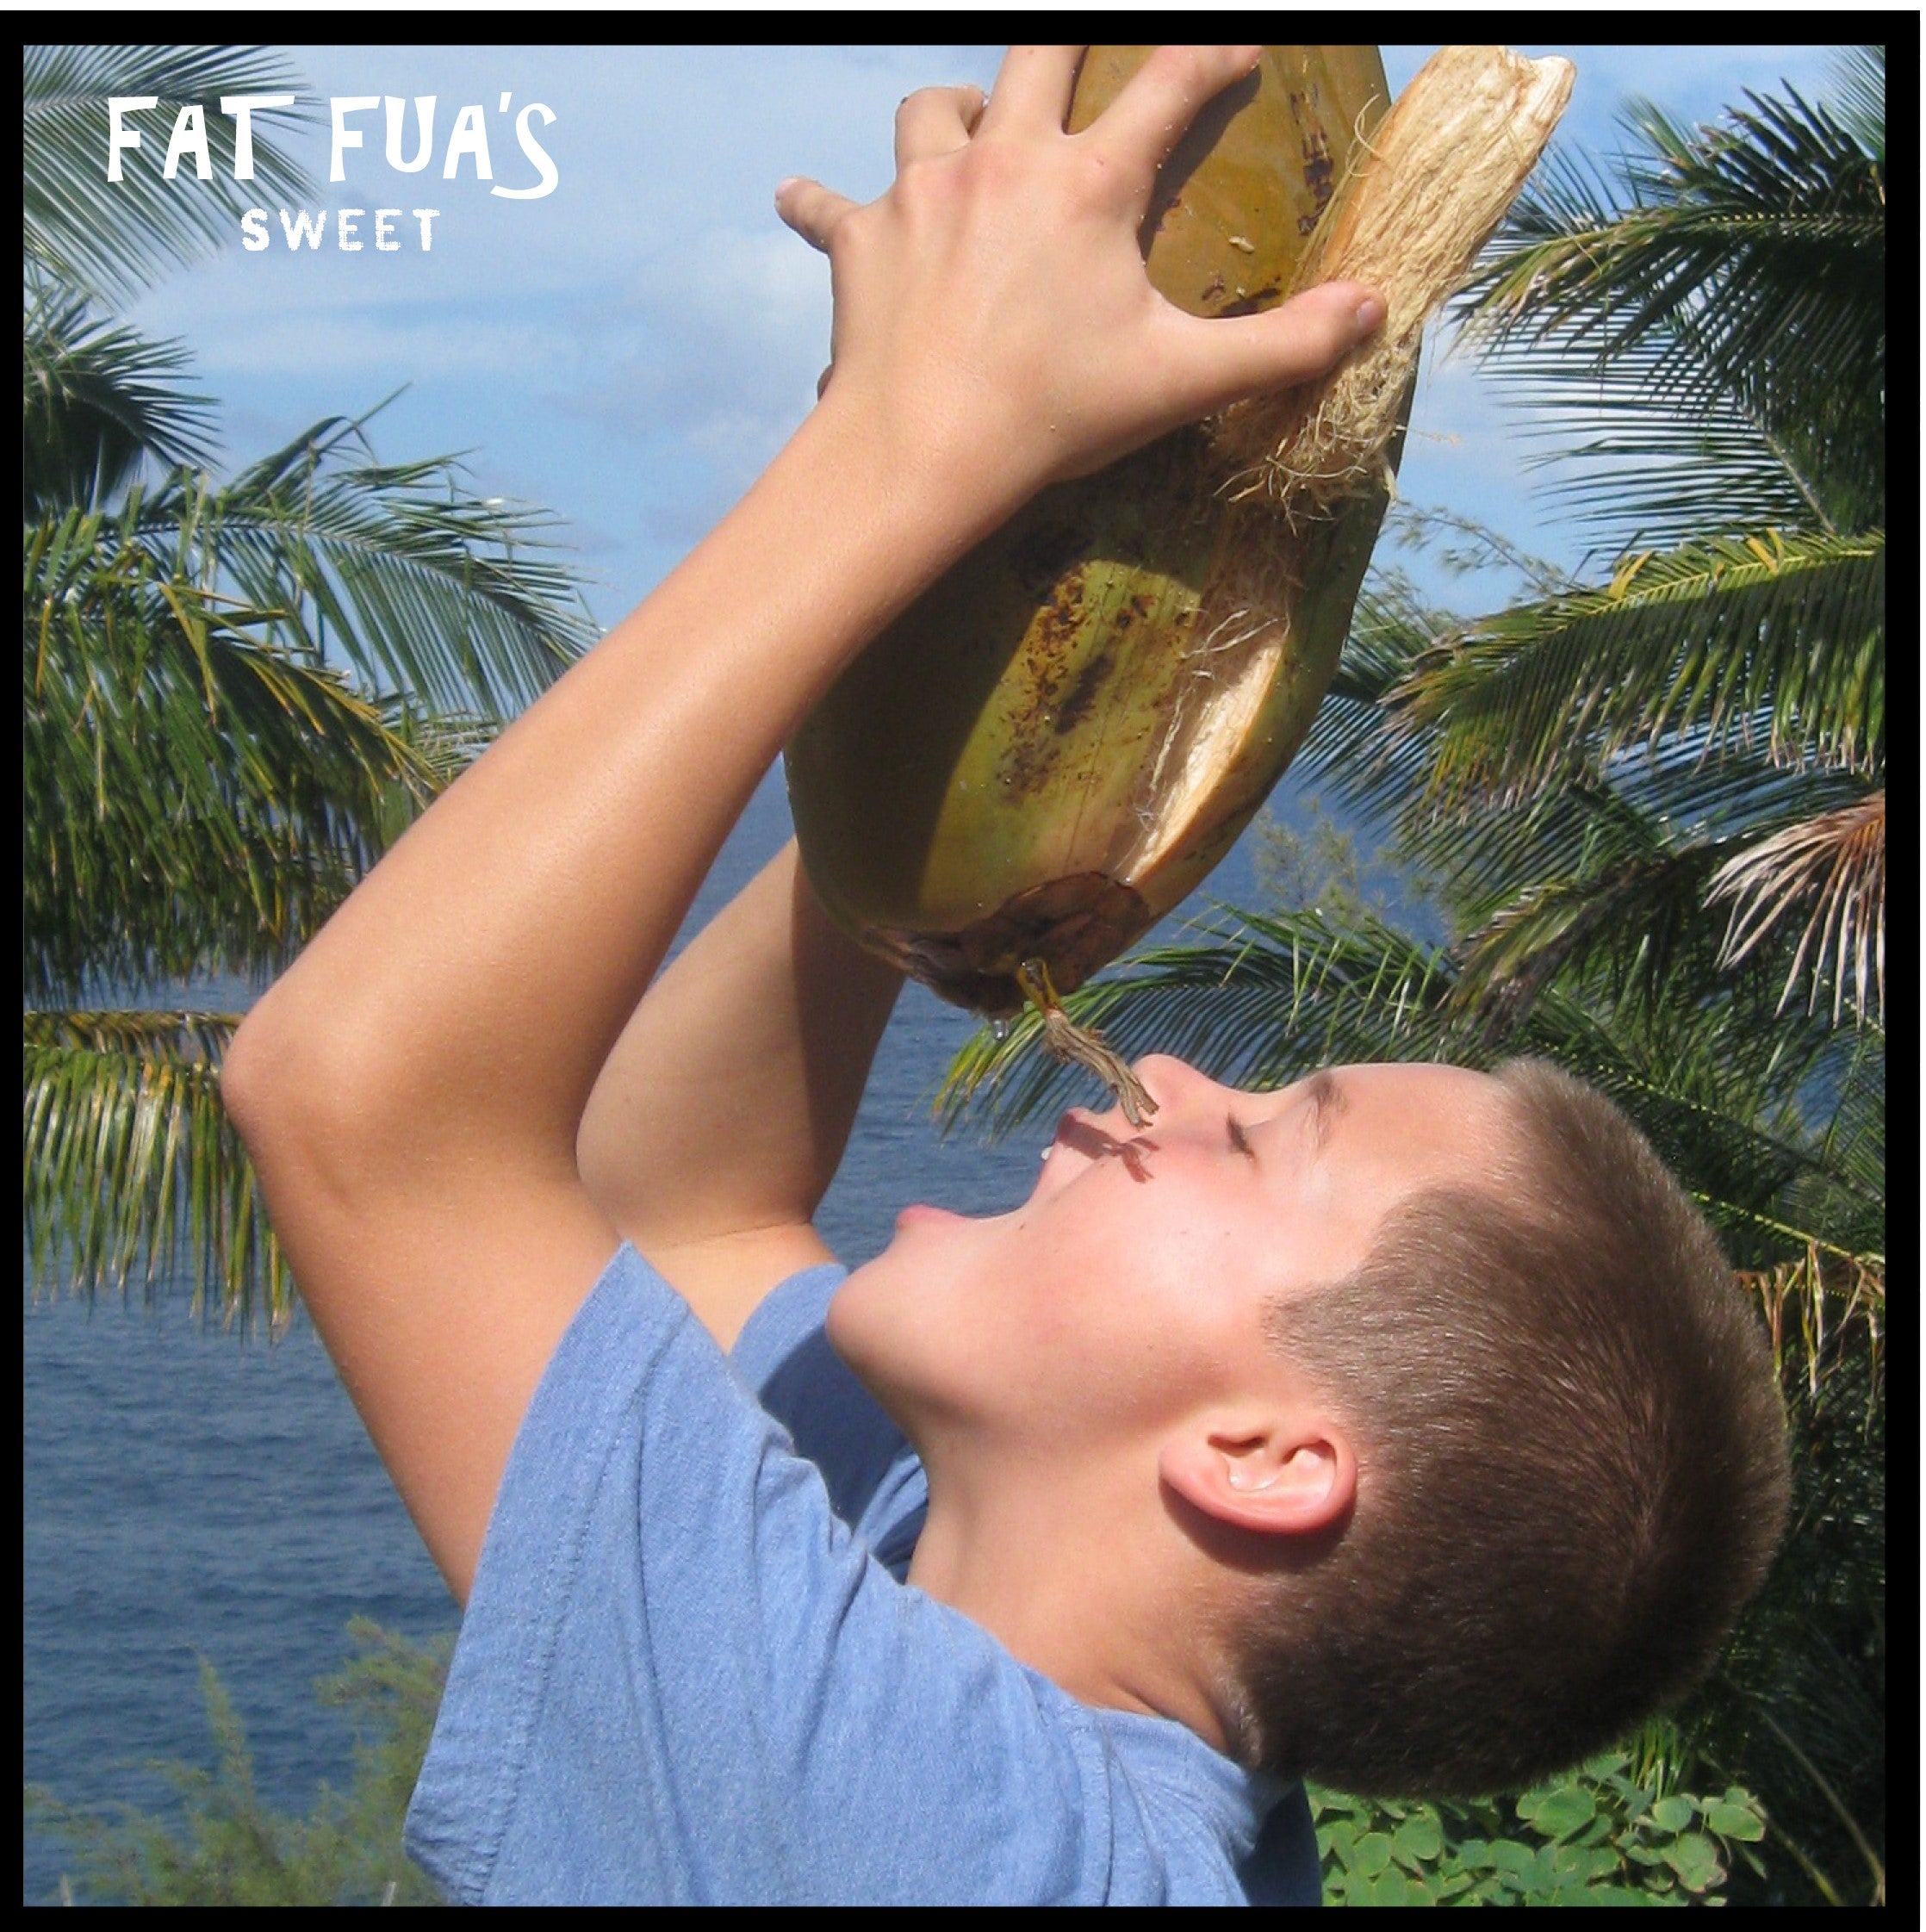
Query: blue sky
{"points": [[628, 351]]}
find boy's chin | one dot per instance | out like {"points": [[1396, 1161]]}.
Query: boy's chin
{"points": [[919, 1214], [859, 1316], [875, 1327]]}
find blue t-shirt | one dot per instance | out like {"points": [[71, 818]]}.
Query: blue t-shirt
{"points": [[690, 1671]]}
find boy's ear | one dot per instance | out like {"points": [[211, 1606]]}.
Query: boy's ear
{"points": [[1277, 1475]]}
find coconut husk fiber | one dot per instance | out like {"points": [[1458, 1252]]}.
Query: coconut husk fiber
{"points": [[1432, 183]]}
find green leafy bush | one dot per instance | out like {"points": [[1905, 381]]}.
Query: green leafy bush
{"points": [[228, 1849], [1599, 1835]]}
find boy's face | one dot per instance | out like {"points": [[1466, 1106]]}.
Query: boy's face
{"points": [[1127, 1294]]}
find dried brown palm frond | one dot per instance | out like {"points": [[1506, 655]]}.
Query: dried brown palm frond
{"points": [[1837, 862], [1825, 1295]]}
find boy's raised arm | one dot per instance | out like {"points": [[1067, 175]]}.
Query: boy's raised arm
{"points": [[413, 1088], [720, 1119]]}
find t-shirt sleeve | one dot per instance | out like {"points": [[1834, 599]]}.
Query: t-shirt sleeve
{"points": [[683, 1678], [874, 1477]]}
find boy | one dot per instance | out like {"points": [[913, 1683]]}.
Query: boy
{"points": [[1402, 1428]]}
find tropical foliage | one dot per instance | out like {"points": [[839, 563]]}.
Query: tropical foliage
{"points": [[1608, 1833], [239, 690], [219, 1845], [1649, 798]]}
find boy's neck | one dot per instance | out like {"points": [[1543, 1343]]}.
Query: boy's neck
{"points": [[1081, 1587]]}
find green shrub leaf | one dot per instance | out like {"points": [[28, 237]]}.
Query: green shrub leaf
{"points": [[1559, 1813], [1417, 1840], [1696, 1859], [1393, 1888], [1674, 1814], [1584, 1863], [1372, 1854], [1735, 1821]]}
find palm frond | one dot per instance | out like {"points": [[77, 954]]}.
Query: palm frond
{"points": [[1634, 911], [1462, 545], [1854, 1114], [1612, 872], [1640, 468], [1348, 749], [416, 583], [1731, 280], [1729, 793], [1836, 862], [195, 797], [100, 398], [112, 239], [1797, 1711], [1761, 241], [1636, 805], [1693, 782], [1859, 87], [1774, 638], [132, 1169]]}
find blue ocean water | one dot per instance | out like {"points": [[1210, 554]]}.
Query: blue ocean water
{"points": [[185, 1495]]}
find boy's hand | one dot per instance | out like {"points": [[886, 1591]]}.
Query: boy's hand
{"points": [[995, 327]]}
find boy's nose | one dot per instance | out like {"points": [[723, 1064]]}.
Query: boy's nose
{"points": [[1175, 1083]]}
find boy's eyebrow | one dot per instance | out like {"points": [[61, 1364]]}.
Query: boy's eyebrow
{"points": [[1327, 1101]]}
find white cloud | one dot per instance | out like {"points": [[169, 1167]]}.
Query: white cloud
{"points": [[715, 325]]}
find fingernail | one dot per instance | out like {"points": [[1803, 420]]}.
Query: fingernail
{"points": [[785, 185], [1370, 314]]}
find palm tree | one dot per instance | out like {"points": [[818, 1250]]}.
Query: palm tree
{"points": [[1653, 803], [239, 692]]}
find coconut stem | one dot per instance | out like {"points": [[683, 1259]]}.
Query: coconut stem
{"points": [[1065, 1040]]}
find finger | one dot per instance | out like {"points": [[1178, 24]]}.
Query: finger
{"points": [[935, 121], [1033, 90], [1160, 101], [1302, 338], [822, 381], [811, 209]]}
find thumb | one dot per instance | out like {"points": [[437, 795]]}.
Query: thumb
{"points": [[812, 210], [1299, 340]]}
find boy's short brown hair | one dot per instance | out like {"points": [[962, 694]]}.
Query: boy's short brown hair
{"points": [[1572, 1472]]}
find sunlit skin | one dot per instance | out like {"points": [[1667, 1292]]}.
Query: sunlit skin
{"points": [[1114, 1452]]}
